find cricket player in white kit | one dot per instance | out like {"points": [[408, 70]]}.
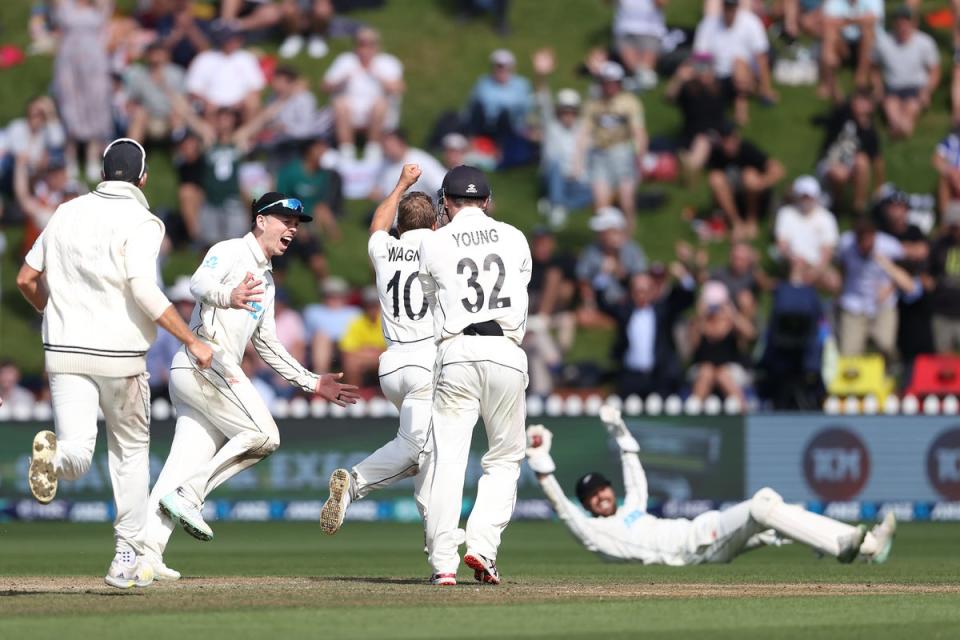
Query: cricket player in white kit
{"points": [[406, 367], [93, 275], [474, 272], [223, 426], [630, 533]]}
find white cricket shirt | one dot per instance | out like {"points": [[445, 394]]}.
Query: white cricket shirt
{"points": [[476, 269], [227, 330], [405, 312], [631, 533]]}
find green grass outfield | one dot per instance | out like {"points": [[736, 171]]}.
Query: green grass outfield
{"points": [[286, 580]]}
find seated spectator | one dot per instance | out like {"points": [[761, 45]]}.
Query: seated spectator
{"points": [[498, 9], [872, 284], [790, 365], [397, 152], [720, 335], [500, 101], [612, 143], [292, 334], [644, 350], [802, 17], [179, 30], [256, 371], [362, 342], [737, 43], [455, 147], [223, 214], [13, 396], [696, 91], [893, 218], [946, 160], [560, 127], [638, 28], [366, 86], [34, 139], [38, 199], [742, 276], [849, 32], [152, 115], [307, 22], [945, 270], [292, 117], [851, 151], [606, 266], [228, 77], [551, 289], [306, 180], [188, 163], [161, 352], [327, 322], [741, 178], [807, 231], [910, 66]]}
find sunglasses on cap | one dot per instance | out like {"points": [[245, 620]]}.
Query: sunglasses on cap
{"points": [[287, 203]]}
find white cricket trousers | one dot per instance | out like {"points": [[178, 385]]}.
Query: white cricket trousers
{"points": [[476, 377], [766, 510], [223, 427], [125, 403], [406, 379]]}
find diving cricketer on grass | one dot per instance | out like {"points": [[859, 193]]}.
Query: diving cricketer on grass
{"points": [[223, 426], [474, 272], [93, 275], [630, 533], [406, 367]]}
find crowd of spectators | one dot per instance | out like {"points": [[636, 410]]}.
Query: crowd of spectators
{"points": [[182, 74]]}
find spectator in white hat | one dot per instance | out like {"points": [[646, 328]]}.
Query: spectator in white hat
{"points": [[500, 101], [807, 231], [606, 265], [612, 143], [455, 147], [560, 126]]}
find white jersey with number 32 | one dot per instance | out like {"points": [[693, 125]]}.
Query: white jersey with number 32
{"points": [[405, 314], [477, 270]]}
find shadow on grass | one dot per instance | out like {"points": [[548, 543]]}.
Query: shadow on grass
{"points": [[64, 592], [369, 580]]}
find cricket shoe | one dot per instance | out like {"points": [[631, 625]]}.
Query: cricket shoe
{"points": [[850, 544], [128, 570], [42, 476], [178, 508], [163, 573], [335, 508], [884, 534], [444, 579], [484, 569]]}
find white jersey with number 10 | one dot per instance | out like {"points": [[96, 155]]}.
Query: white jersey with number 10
{"points": [[405, 314]]}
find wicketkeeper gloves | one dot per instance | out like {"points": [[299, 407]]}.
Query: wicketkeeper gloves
{"points": [[617, 429], [539, 439]]}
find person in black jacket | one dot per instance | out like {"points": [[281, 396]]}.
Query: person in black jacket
{"points": [[644, 347]]}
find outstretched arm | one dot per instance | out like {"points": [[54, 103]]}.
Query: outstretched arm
{"points": [[539, 439], [634, 478], [385, 214]]}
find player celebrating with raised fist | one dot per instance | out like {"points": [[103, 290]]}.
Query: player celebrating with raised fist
{"points": [[223, 426], [630, 533], [406, 368], [474, 272]]}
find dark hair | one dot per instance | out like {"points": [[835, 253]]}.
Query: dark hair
{"points": [[863, 226], [399, 133], [287, 72], [415, 211], [460, 201]]}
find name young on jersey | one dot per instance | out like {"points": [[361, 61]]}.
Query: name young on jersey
{"points": [[475, 238]]}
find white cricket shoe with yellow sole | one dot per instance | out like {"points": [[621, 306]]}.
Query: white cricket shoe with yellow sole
{"points": [[129, 570], [42, 475]]}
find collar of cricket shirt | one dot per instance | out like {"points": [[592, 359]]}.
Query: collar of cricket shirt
{"points": [[257, 252], [119, 188], [468, 212]]}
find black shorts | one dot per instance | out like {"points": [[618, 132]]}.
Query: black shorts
{"points": [[904, 93]]}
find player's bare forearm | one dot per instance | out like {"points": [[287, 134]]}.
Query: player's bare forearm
{"points": [[384, 215], [30, 283], [171, 321]]}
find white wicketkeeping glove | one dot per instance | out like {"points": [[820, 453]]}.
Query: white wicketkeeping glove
{"points": [[539, 440], [617, 429]]}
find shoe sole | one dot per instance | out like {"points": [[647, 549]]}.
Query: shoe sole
{"points": [[481, 573], [334, 509], [173, 514], [42, 476], [881, 556], [446, 581]]}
